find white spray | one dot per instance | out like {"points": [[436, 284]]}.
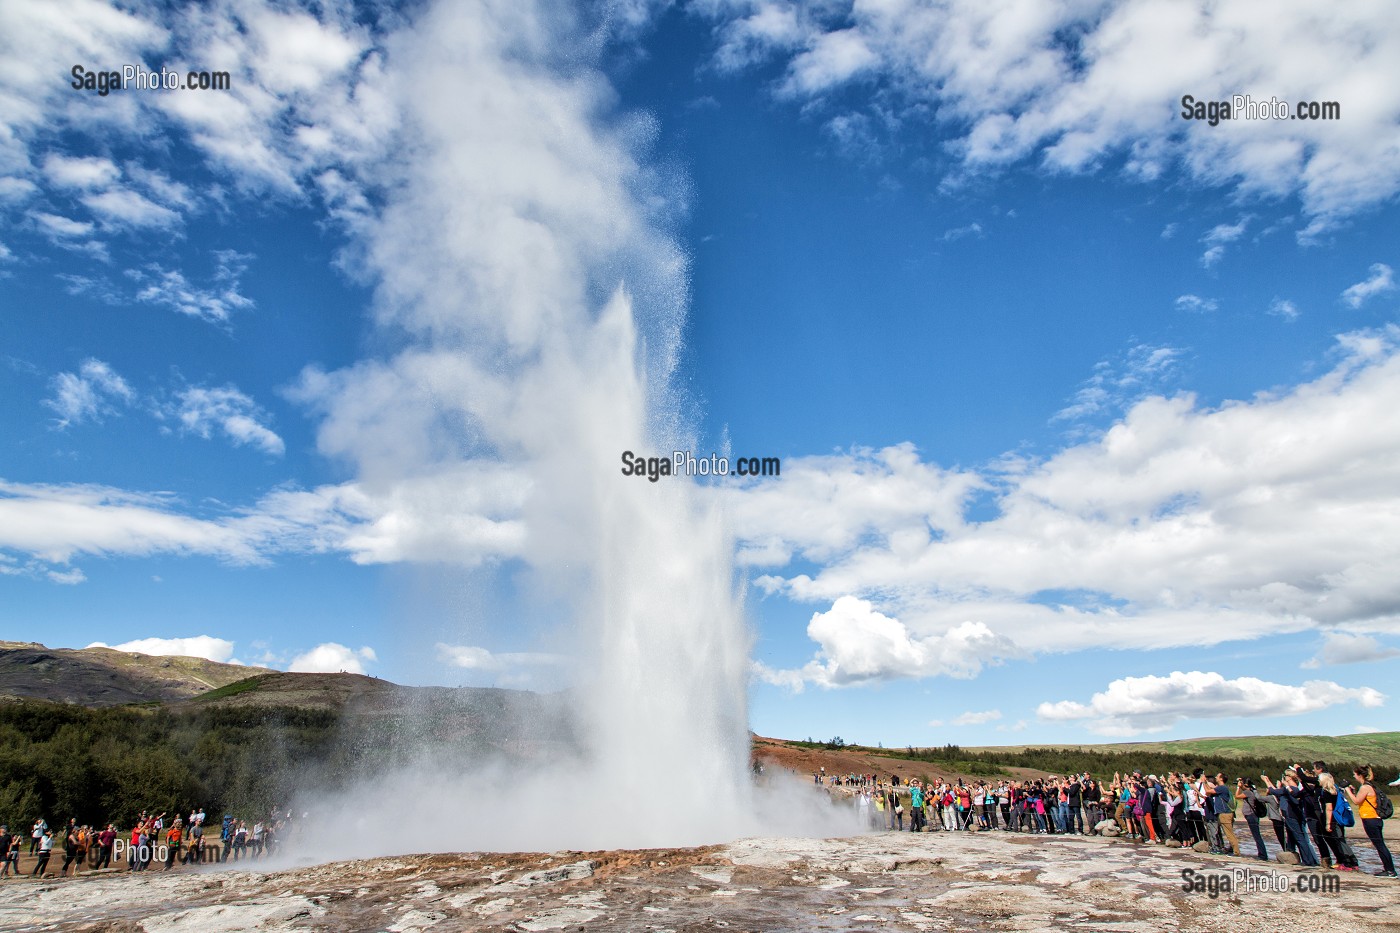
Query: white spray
{"points": [[538, 308]]}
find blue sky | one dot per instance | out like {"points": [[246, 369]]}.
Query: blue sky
{"points": [[1087, 412]]}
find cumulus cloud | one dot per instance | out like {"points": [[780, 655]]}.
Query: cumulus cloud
{"points": [[824, 506], [1181, 524], [331, 658], [202, 410], [1344, 648], [91, 393], [194, 646], [860, 645], [1074, 87], [1133, 705], [1380, 281]]}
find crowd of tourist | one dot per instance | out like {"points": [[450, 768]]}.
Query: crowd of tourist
{"points": [[1307, 810], [153, 840]]}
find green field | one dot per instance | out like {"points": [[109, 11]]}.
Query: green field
{"points": [[1380, 749]]}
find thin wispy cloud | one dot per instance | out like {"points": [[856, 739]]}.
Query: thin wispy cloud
{"points": [[201, 411], [93, 392], [973, 229], [1218, 237], [1195, 304], [1380, 281], [1116, 384], [1284, 308]]}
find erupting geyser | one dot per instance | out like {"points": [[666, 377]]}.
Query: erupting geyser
{"points": [[522, 267]]}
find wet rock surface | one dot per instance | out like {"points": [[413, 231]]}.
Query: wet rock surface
{"points": [[891, 882]]}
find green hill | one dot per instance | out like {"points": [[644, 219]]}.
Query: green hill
{"points": [[96, 677], [1380, 749]]}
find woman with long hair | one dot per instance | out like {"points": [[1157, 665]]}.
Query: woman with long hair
{"points": [[1366, 801], [1331, 833], [1176, 813]]}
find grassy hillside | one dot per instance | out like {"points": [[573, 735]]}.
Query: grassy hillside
{"points": [[1380, 749], [106, 677], [1235, 757]]}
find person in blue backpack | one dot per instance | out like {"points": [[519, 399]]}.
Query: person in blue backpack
{"points": [[1331, 830]]}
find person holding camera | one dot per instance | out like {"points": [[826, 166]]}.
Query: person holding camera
{"points": [[1290, 802], [1252, 808]]}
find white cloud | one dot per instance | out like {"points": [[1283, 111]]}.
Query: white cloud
{"points": [[60, 227], [957, 233], [15, 190], [1180, 525], [855, 136], [1073, 87], [824, 506], [463, 516], [1133, 705], [1218, 237], [1366, 730], [195, 646], [216, 303], [1381, 280], [971, 718], [331, 658], [859, 645], [1284, 308], [200, 410], [122, 207], [1343, 648], [89, 394], [1143, 370], [90, 172], [481, 659], [56, 523], [1196, 304]]}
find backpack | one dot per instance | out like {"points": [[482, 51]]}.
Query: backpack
{"points": [[1342, 813], [1384, 808]]}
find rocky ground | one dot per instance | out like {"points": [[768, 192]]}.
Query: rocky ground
{"points": [[886, 882]]}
